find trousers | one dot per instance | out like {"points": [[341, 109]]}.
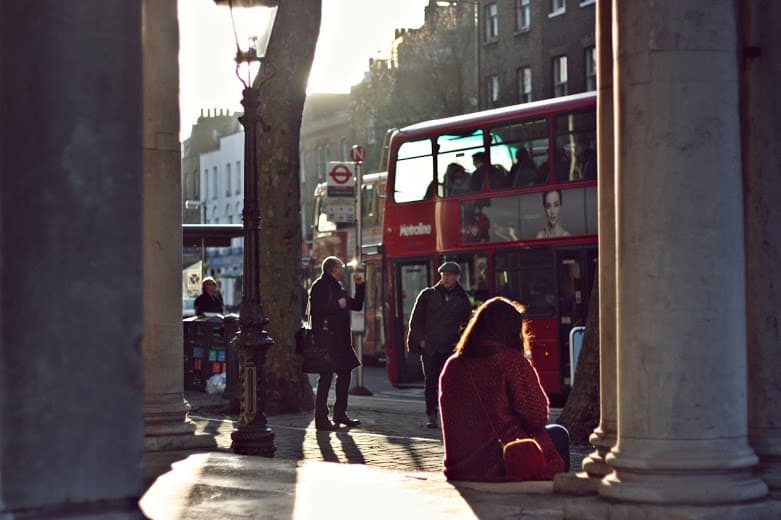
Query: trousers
{"points": [[342, 389], [432, 367], [560, 437]]}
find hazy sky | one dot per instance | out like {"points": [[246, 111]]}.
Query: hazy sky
{"points": [[351, 32]]}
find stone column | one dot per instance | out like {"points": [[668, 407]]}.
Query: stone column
{"points": [[165, 420], [682, 414], [604, 436], [762, 183], [71, 416]]}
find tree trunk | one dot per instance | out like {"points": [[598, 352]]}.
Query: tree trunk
{"points": [[581, 412], [282, 81]]}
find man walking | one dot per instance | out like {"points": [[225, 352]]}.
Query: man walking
{"points": [[434, 328]]}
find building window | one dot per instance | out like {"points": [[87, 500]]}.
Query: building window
{"points": [[523, 18], [560, 76], [371, 136], [493, 89], [215, 182], [205, 194], [557, 7], [591, 68], [237, 176], [345, 148], [228, 179], [491, 23], [524, 84], [321, 163]]}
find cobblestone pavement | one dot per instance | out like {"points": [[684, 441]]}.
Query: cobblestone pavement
{"points": [[392, 434]]}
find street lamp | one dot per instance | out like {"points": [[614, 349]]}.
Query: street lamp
{"points": [[253, 436]]}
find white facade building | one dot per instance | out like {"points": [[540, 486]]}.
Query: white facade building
{"points": [[222, 201]]}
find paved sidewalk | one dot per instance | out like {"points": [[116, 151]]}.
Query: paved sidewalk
{"points": [[391, 467], [392, 434]]}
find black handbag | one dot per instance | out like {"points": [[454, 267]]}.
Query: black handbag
{"points": [[314, 347]]}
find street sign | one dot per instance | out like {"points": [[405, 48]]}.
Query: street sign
{"points": [[340, 181], [341, 210], [358, 153]]}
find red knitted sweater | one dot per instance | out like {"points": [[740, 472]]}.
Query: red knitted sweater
{"points": [[516, 405]]}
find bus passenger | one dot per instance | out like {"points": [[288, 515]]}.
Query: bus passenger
{"points": [[456, 180], [551, 201], [498, 177], [524, 172], [587, 159], [562, 166], [490, 392], [434, 327]]}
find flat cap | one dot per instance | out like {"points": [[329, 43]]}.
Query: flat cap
{"points": [[450, 267]]}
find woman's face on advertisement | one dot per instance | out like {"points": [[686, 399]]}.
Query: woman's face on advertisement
{"points": [[552, 207]]}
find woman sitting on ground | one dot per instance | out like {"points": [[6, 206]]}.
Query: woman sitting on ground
{"points": [[488, 389]]}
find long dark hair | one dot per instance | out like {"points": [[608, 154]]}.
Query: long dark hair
{"points": [[498, 321]]}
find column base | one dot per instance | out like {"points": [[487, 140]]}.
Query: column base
{"points": [[595, 466], [769, 470], [596, 509], [176, 438], [167, 427], [575, 484], [697, 489], [253, 440], [603, 441], [700, 472]]}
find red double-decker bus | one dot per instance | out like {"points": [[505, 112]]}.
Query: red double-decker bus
{"points": [[510, 194]]}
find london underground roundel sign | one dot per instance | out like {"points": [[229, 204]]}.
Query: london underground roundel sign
{"points": [[340, 174]]}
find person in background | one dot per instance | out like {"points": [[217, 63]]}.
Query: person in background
{"points": [[499, 178], [435, 324], [586, 159], [210, 299], [524, 172], [456, 180], [551, 202], [330, 308], [488, 388]]}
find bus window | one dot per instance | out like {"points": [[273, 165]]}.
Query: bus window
{"points": [[575, 157], [474, 275], [322, 221], [523, 151], [414, 179], [454, 151], [527, 276], [368, 209]]}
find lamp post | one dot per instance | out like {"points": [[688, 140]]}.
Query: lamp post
{"points": [[253, 436]]}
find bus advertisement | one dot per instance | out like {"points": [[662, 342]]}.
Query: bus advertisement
{"points": [[511, 195]]}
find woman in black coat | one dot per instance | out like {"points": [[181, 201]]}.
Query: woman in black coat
{"points": [[330, 307]]}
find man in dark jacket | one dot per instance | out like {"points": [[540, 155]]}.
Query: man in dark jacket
{"points": [[435, 326], [330, 308]]}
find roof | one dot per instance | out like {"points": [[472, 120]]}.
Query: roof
{"points": [[210, 235]]}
